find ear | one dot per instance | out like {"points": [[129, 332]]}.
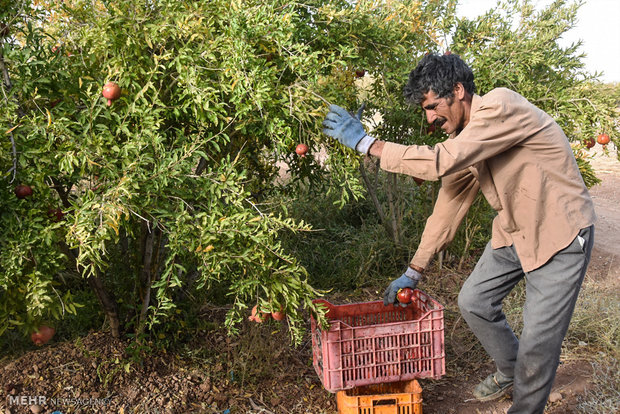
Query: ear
{"points": [[459, 91]]}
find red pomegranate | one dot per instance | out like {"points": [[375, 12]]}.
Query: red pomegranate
{"points": [[279, 314], [111, 91], [43, 336], [258, 316], [603, 139], [404, 295], [301, 150], [55, 214], [22, 191]]}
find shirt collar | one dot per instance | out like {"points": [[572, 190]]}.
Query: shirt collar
{"points": [[476, 102]]}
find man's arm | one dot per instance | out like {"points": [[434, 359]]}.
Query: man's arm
{"points": [[456, 195], [458, 192], [376, 148], [417, 268]]}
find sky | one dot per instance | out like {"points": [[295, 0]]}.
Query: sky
{"points": [[597, 26]]}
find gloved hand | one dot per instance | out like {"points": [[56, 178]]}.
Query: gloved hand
{"points": [[347, 129], [409, 279]]}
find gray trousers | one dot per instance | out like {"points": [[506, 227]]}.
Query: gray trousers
{"points": [[551, 293]]}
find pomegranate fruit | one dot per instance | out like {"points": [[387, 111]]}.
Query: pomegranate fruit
{"points": [[404, 295], [278, 315], [111, 91], [22, 191], [589, 142], [360, 73], [55, 214], [301, 150], [257, 316], [43, 335], [603, 139]]}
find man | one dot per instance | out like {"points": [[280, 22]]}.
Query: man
{"points": [[522, 162]]}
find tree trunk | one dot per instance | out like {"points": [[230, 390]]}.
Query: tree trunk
{"points": [[108, 303], [146, 275], [372, 191], [106, 300], [394, 222]]}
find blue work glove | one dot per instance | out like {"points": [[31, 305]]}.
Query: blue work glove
{"points": [[409, 279], [347, 129]]}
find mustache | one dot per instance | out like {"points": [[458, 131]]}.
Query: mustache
{"points": [[439, 122]]}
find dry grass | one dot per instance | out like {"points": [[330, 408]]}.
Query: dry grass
{"points": [[604, 396], [595, 327]]}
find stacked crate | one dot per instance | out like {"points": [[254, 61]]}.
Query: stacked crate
{"points": [[403, 397], [376, 352]]}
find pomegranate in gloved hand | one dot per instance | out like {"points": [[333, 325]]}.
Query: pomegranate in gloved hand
{"points": [[404, 295], [409, 279]]}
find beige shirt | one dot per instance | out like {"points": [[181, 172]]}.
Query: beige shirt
{"points": [[521, 161]]}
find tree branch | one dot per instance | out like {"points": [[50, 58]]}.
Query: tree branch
{"points": [[375, 200], [7, 88]]}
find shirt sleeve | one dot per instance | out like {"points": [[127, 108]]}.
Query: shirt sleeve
{"points": [[458, 192], [497, 125]]}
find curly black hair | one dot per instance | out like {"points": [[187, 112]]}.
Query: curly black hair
{"points": [[439, 73]]}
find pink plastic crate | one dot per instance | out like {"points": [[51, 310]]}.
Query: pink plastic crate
{"points": [[369, 343]]}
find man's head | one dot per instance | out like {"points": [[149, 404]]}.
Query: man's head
{"points": [[443, 85]]}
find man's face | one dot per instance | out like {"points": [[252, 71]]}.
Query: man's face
{"points": [[450, 114]]}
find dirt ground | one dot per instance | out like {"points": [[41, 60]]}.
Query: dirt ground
{"points": [[606, 195], [219, 374]]}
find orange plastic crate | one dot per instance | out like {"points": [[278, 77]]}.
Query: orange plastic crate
{"points": [[393, 398], [369, 343]]}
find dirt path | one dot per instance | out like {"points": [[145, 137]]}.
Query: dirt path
{"points": [[605, 262]]}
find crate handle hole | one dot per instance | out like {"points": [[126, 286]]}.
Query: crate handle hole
{"points": [[391, 401]]}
